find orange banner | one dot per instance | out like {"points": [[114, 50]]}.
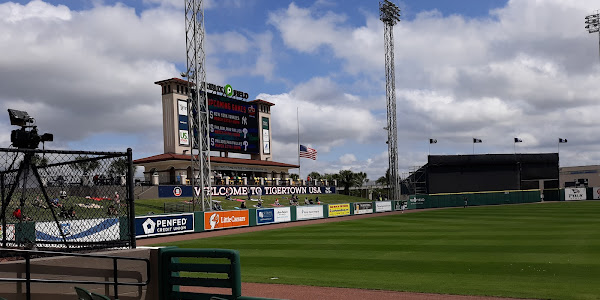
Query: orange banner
{"points": [[226, 219]]}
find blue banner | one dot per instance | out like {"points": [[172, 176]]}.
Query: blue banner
{"points": [[148, 226], [183, 123], [171, 191], [265, 216]]}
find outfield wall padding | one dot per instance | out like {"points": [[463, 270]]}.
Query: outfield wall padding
{"points": [[414, 202]]}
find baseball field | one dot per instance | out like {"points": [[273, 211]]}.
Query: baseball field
{"points": [[542, 251]]}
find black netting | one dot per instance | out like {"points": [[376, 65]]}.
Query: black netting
{"points": [[64, 199]]}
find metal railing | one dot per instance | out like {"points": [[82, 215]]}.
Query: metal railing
{"points": [[27, 255]]}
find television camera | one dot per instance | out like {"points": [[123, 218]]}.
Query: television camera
{"points": [[27, 137]]}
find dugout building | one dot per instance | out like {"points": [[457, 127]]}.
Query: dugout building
{"points": [[485, 172]]}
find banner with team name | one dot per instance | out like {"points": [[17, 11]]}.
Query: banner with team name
{"points": [[170, 191]]}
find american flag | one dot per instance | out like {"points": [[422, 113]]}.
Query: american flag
{"points": [[307, 152]]}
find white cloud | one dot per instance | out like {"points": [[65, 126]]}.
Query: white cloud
{"points": [[347, 158], [528, 68], [38, 10]]}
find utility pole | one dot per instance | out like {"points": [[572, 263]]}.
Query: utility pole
{"points": [[390, 14], [198, 103]]}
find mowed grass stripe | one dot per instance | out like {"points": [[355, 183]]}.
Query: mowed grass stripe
{"points": [[548, 250]]}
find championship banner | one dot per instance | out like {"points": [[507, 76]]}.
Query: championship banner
{"points": [[575, 194], [92, 230], [163, 225], [336, 210], [363, 208], [307, 212], [381, 206], [226, 219], [596, 195], [273, 215]]}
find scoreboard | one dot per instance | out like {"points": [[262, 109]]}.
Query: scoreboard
{"points": [[233, 125]]}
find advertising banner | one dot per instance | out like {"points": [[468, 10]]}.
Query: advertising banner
{"points": [[363, 208], [170, 191], [184, 127], [414, 202], [265, 133], [273, 215], [575, 194], [163, 225], [398, 205], [336, 210], [596, 194], [233, 125], [381, 206], [92, 230], [307, 212], [226, 219]]}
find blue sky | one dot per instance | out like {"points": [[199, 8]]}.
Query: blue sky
{"points": [[495, 70]]}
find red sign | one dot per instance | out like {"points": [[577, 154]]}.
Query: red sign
{"points": [[226, 219]]}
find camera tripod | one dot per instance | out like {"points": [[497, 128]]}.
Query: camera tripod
{"points": [[22, 175]]}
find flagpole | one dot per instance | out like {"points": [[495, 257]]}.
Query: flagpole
{"points": [[298, 148]]}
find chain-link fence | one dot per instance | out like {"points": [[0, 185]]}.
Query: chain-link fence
{"points": [[66, 199]]}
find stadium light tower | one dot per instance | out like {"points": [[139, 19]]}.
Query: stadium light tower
{"points": [[389, 14], [593, 25], [198, 103]]}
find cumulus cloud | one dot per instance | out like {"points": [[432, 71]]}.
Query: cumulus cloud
{"points": [[526, 70]]}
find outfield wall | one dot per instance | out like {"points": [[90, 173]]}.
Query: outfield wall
{"points": [[168, 224], [218, 220]]}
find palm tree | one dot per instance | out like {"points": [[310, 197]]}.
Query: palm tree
{"points": [[349, 179], [361, 178], [314, 175], [85, 164], [384, 180], [118, 167]]}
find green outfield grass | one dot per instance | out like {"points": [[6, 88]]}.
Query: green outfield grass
{"points": [[147, 206], [544, 251]]}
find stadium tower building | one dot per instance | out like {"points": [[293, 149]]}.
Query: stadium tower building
{"points": [[236, 126]]}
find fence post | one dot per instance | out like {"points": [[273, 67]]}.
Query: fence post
{"points": [[130, 199]]}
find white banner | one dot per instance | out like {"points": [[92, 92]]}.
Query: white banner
{"points": [[363, 208], [575, 194], [381, 206], [182, 108], [184, 138], [283, 214], [596, 195], [92, 230], [309, 212]]}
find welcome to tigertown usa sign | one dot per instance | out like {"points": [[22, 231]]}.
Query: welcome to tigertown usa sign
{"points": [[186, 190]]}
